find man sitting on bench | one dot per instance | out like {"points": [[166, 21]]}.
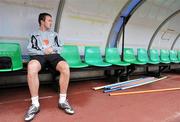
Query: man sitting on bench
{"points": [[44, 49]]}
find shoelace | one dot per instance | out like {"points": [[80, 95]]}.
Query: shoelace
{"points": [[32, 109]]}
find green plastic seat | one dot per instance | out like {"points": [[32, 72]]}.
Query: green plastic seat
{"points": [[93, 57], [178, 55], [130, 57], [173, 56], [153, 56], [71, 54], [164, 56], [112, 56], [142, 55], [13, 51]]}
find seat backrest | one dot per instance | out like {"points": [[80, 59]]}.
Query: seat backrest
{"points": [[129, 55], [164, 55], [154, 55], [92, 54], [178, 54], [71, 54], [173, 55], [13, 51], [142, 55], [112, 55]]}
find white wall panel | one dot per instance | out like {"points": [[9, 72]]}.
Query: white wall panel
{"points": [[88, 22], [146, 20]]}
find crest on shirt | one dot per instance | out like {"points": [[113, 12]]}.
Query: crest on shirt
{"points": [[45, 41]]}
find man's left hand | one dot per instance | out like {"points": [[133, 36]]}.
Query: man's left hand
{"points": [[49, 50]]}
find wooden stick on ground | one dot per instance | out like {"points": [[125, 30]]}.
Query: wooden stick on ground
{"points": [[147, 91]]}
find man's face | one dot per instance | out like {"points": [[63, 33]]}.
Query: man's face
{"points": [[47, 23]]}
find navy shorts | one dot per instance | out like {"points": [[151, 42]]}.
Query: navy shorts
{"points": [[50, 60]]}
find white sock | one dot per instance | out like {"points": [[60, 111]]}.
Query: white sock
{"points": [[35, 101], [62, 98]]}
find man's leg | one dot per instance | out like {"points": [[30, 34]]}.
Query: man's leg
{"points": [[64, 70], [33, 82]]}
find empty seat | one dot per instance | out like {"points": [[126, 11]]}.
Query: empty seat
{"points": [[142, 55], [130, 57], [11, 51], [93, 57], [71, 54], [112, 56], [153, 56], [178, 55], [164, 56], [173, 56]]}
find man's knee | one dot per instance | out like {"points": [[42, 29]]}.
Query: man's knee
{"points": [[34, 66], [63, 67]]}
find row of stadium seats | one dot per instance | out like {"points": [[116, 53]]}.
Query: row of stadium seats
{"points": [[93, 57]]}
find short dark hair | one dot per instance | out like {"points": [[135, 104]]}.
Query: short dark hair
{"points": [[42, 16]]}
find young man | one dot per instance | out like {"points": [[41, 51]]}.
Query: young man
{"points": [[44, 49]]}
